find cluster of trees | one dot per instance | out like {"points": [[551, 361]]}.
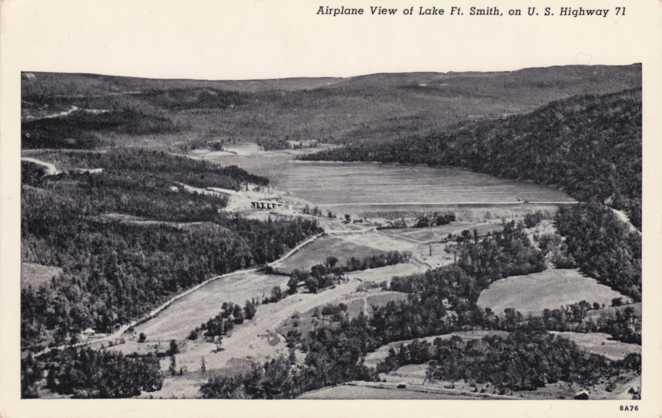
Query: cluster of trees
{"points": [[533, 219], [522, 360], [334, 355], [555, 250], [88, 373], [275, 379], [603, 246], [330, 272], [500, 254], [193, 98], [273, 143], [115, 271], [622, 324], [436, 219], [231, 314], [589, 145]]}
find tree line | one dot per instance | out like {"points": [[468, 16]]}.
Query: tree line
{"points": [[330, 272], [521, 360]]}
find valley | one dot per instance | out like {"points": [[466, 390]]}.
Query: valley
{"points": [[233, 256]]}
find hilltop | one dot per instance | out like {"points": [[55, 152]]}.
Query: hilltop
{"points": [[369, 108]]}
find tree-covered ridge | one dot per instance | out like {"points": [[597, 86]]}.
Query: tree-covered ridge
{"points": [[603, 246], [588, 145], [136, 165], [116, 271], [80, 129]]}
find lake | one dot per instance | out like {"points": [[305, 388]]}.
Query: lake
{"points": [[329, 184]]}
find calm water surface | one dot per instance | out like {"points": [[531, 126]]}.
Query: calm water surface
{"points": [[338, 183]]}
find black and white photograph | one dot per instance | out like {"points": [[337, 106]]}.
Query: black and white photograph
{"points": [[346, 209], [458, 235]]}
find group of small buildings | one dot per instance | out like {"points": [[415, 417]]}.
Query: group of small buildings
{"points": [[265, 204]]}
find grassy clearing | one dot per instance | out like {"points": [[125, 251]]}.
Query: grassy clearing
{"points": [[373, 392], [551, 289], [380, 241], [438, 233], [317, 252], [189, 312], [37, 275]]}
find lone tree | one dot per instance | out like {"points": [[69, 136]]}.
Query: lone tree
{"points": [[173, 349], [173, 365], [331, 261], [249, 310]]}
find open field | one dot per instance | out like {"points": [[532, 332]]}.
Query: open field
{"points": [[317, 252], [550, 289], [602, 344], [37, 275], [189, 312], [437, 233], [364, 390], [372, 359], [252, 340], [380, 241]]}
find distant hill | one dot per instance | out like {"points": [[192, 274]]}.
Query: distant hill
{"points": [[588, 145], [370, 108]]}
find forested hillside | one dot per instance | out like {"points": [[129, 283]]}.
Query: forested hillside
{"points": [[590, 146], [115, 271], [371, 108]]}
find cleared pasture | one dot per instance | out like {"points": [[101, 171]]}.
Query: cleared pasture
{"points": [[37, 275], [360, 391], [179, 319], [437, 233], [551, 289], [380, 241], [318, 251]]}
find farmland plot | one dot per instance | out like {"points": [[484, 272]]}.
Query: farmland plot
{"points": [[551, 289], [37, 275], [317, 252]]}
